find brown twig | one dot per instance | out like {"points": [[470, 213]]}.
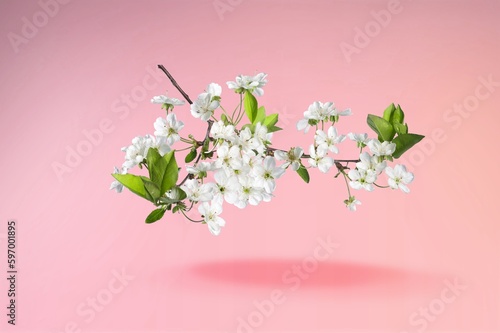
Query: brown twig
{"points": [[175, 83]]}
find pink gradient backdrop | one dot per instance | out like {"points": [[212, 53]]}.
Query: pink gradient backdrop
{"points": [[395, 253]]}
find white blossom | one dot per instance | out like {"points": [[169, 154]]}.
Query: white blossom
{"points": [[361, 139], [303, 125], [371, 163], [399, 177], [196, 191], [249, 193], [226, 186], [351, 203], [385, 148], [253, 84], [215, 90], [200, 170], [266, 174], [168, 129], [329, 140], [346, 112], [362, 179], [228, 157], [221, 131], [315, 113], [210, 213], [243, 140], [207, 102], [260, 138], [249, 160], [292, 157], [116, 185], [319, 159], [138, 150], [167, 102]]}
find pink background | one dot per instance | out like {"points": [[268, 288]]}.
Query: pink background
{"points": [[396, 253]]}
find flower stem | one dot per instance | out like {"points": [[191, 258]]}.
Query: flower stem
{"points": [[183, 149], [346, 183], [240, 114], [237, 107], [190, 219]]}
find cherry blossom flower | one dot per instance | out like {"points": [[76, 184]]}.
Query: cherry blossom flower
{"points": [[385, 148], [399, 177], [210, 213], [319, 159], [253, 84], [328, 140], [168, 129]]}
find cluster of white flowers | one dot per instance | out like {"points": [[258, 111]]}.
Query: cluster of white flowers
{"points": [[242, 173], [253, 84], [368, 166], [240, 167], [320, 112]]}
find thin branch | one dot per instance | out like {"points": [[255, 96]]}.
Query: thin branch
{"points": [[190, 219], [175, 83], [346, 182], [271, 149], [207, 137], [209, 122], [347, 161]]}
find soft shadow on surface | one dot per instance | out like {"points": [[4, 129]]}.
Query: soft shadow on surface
{"points": [[327, 275]]}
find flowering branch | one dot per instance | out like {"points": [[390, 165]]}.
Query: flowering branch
{"points": [[210, 122], [236, 163]]}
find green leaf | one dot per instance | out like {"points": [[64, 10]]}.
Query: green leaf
{"points": [[205, 147], [182, 194], [261, 115], [400, 128], [251, 106], [398, 116], [177, 194], [381, 126], [404, 142], [155, 215], [191, 156], [156, 165], [388, 112], [303, 173], [152, 189], [171, 173], [163, 170], [273, 129], [167, 201], [134, 184], [271, 120]]}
